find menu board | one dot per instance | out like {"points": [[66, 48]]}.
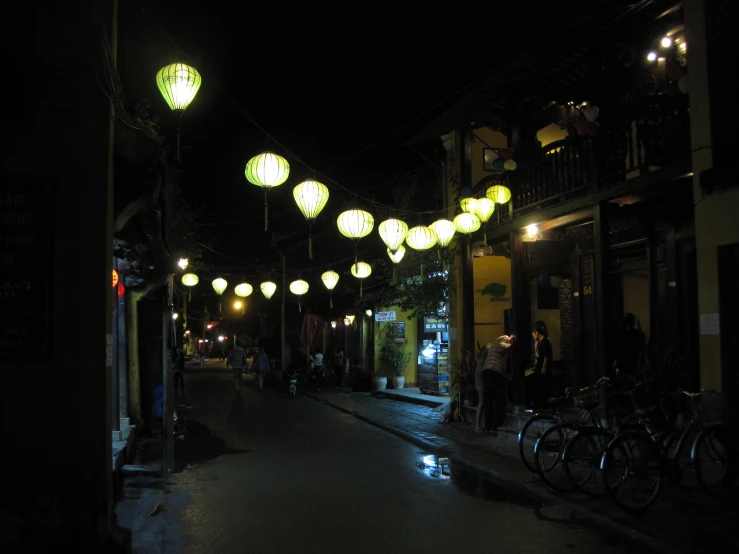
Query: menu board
{"points": [[26, 270]]}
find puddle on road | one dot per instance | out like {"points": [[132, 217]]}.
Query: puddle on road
{"points": [[199, 445], [472, 483]]}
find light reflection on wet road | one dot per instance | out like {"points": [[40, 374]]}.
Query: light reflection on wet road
{"points": [[303, 477]]}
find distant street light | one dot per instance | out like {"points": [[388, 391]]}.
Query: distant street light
{"points": [[182, 263]]}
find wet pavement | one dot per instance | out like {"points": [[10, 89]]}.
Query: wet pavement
{"points": [[261, 472]]}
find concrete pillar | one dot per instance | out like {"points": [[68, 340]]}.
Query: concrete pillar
{"points": [[122, 359], [134, 366], [715, 213]]}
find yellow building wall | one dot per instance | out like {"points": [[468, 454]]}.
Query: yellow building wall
{"points": [[551, 133], [492, 281], [411, 337], [635, 287], [715, 214]]}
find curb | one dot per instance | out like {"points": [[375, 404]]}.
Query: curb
{"points": [[511, 484], [407, 399]]}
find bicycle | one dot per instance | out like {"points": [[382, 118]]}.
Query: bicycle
{"points": [[651, 452], [536, 424], [549, 448], [583, 452]]}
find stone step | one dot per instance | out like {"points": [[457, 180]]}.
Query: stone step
{"points": [[141, 469], [126, 431]]}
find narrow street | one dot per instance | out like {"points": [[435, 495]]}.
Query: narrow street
{"points": [[261, 472]]}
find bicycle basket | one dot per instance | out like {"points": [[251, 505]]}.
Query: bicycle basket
{"points": [[587, 398]]}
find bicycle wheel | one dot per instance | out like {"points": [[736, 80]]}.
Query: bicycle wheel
{"points": [[714, 457], [581, 460], [632, 467], [529, 434], [548, 455]]}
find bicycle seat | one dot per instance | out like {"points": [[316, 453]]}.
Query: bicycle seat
{"points": [[558, 401]]}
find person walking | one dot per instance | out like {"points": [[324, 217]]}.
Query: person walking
{"points": [[237, 360], [261, 365]]}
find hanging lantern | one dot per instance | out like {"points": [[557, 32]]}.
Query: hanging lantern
{"points": [[243, 290], [395, 257], [355, 224], [393, 233], [444, 230], [330, 279], [468, 205], [178, 83], [467, 224], [190, 280], [484, 208], [311, 198], [361, 271], [115, 278], [267, 170], [219, 285], [500, 194], [421, 238], [268, 288], [299, 288], [510, 165]]}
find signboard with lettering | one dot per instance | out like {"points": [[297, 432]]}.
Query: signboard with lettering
{"points": [[26, 270], [385, 316], [399, 331], [435, 324]]}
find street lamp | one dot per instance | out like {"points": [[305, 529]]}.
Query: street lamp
{"points": [[178, 83], [183, 263]]}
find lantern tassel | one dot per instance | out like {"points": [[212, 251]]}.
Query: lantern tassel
{"points": [[266, 211], [310, 243], [189, 296], [299, 308], [361, 281], [438, 253], [485, 237], [330, 300]]}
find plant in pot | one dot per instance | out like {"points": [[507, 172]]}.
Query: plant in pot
{"points": [[394, 357]]}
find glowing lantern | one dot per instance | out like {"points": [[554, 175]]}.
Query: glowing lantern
{"points": [[467, 224], [311, 198], [267, 170], [395, 257], [190, 280], [484, 208], [499, 194], [421, 238], [361, 271], [299, 288], [115, 278], [444, 230], [330, 279], [120, 290], [243, 290], [393, 233], [355, 224], [468, 205], [268, 288], [510, 165], [219, 285], [178, 83]]}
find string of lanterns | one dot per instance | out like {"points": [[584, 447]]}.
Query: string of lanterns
{"points": [[179, 83]]}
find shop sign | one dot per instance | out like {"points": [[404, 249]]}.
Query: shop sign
{"points": [[435, 324], [399, 331], [385, 316]]}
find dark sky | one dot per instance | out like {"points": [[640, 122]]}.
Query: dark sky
{"points": [[337, 88]]}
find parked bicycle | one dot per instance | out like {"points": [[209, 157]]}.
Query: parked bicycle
{"points": [[652, 451], [550, 446]]}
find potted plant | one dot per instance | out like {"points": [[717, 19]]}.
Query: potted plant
{"points": [[394, 357]]}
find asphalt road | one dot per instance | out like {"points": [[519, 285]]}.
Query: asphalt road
{"points": [[261, 472]]}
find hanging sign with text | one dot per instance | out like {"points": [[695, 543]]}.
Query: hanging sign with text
{"points": [[26, 264], [385, 316], [435, 324]]}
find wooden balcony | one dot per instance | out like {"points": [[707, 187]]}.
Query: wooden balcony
{"points": [[644, 140]]}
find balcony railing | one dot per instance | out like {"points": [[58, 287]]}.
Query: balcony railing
{"points": [[646, 138]]}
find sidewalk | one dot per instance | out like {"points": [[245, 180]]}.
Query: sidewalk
{"points": [[680, 521]]}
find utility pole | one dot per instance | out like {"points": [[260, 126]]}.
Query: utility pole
{"points": [[283, 346]]}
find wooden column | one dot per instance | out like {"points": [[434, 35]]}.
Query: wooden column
{"points": [[468, 285], [520, 315], [601, 288], [673, 288], [577, 351]]}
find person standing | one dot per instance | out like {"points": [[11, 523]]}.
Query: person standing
{"points": [[494, 374], [339, 367], [539, 381], [237, 360], [179, 371], [261, 365]]}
